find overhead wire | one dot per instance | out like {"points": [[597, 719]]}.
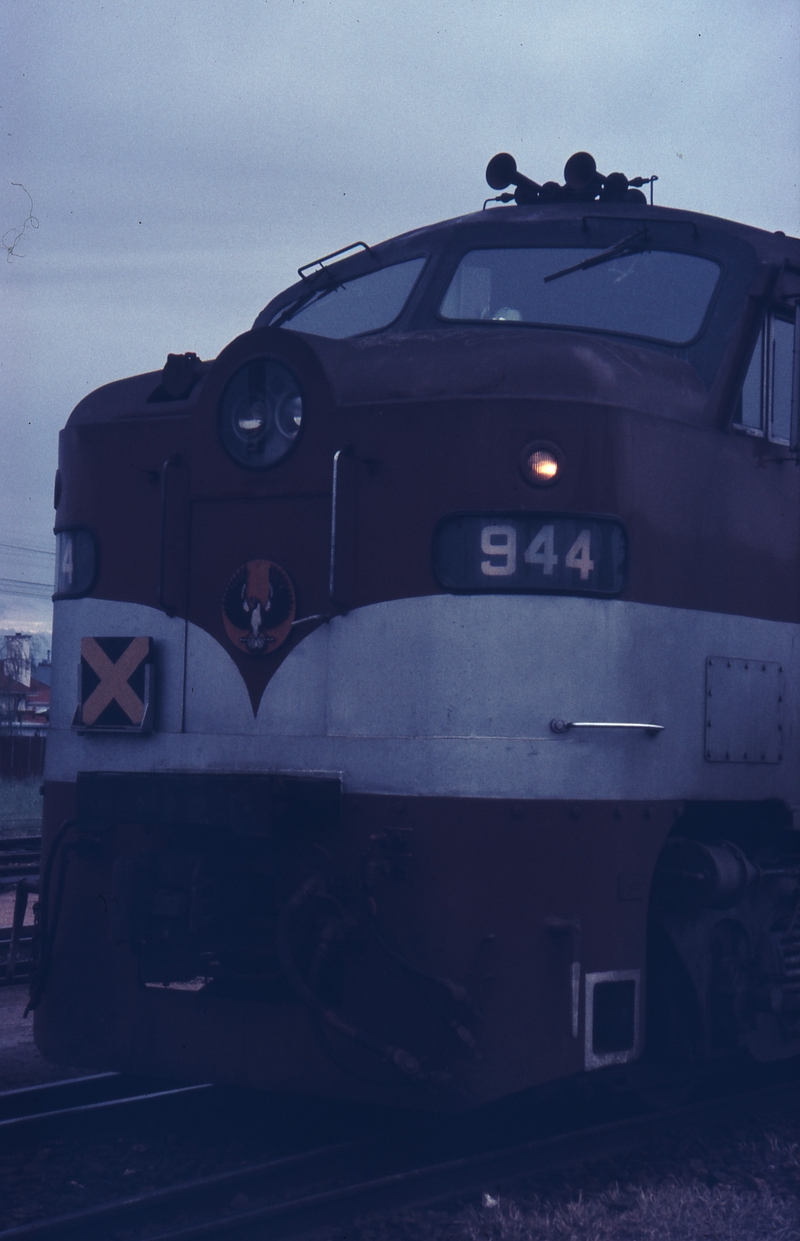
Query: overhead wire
{"points": [[20, 586], [16, 547], [25, 587]]}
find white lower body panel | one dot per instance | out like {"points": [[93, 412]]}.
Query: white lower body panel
{"points": [[445, 696]]}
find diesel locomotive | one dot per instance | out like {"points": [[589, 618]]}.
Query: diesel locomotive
{"points": [[426, 668]]}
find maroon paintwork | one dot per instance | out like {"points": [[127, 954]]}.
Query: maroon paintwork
{"points": [[483, 881], [428, 420], [634, 426]]}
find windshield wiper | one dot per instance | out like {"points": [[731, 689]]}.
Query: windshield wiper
{"points": [[317, 284], [319, 289], [629, 245]]}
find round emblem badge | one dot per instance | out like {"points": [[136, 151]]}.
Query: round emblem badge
{"points": [[258, 607]]}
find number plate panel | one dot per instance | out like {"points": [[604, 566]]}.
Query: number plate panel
{"points": [[572, 553]]}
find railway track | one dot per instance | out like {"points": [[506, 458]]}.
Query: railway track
{"points": [[55, 1106], [20, 857], [328, 1186]]}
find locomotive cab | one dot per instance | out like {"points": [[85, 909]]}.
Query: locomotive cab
{"points": [[424, 712]]}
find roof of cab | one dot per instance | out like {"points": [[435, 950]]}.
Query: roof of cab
{"points": [[770, 247]]}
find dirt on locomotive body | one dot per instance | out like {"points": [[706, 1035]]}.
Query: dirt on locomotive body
{"points": [[425, 669]]}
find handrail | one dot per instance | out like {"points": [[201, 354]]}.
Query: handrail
{"points": [[334, 254], [338, 458], [563, 726], [165, 468]]}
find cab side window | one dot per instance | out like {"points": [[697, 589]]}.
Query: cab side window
{"points": [[770, 389]]}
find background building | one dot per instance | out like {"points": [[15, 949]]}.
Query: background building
{"points": [[24, 697]]}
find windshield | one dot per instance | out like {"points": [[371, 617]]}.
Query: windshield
{"points": [[658, 294], [362, 304]]}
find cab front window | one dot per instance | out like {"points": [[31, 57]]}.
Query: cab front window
{"points": [[659, 295], [355, 306]]}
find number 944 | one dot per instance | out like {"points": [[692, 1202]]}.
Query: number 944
{"points": [[499, 547]]}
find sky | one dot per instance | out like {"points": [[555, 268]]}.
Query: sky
{"points": [[181, 158]]}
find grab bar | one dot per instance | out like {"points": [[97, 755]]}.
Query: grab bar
{"points": [[563, 726], [162, 549], [341, 529]]}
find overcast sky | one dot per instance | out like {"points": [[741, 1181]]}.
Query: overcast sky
{"points": [[184, 157]]}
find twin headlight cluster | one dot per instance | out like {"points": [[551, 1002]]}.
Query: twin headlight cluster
{"points": [[260, 413]]}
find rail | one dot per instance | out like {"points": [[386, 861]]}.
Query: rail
{"points": [[93, 1097]]}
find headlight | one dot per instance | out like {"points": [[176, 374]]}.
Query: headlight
{"points": [[260, 413], [76, 563]]}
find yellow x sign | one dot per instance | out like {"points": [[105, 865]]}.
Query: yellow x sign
{"points": [[114, 679]]}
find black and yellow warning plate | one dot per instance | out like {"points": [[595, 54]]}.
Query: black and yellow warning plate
{"points": [[116, 685]]}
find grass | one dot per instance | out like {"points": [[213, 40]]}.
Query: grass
{"points": [[663, 1213], [20, 807], [743, 1189]]}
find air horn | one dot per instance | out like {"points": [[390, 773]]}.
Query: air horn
{"points": [[582, 183], [502, 171]]}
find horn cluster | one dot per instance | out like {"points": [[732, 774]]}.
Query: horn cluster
{"points": [[582, 183]]}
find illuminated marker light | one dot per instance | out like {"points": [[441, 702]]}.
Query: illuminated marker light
{"points": [[541, 464]]}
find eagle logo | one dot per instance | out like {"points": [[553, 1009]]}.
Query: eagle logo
{"points": [[258, 607]]}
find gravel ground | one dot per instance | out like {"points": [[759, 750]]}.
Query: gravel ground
{"points": [[732, 1184], [729, 1185], [62, 1175], [738, 1183], [54, 1175]]}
